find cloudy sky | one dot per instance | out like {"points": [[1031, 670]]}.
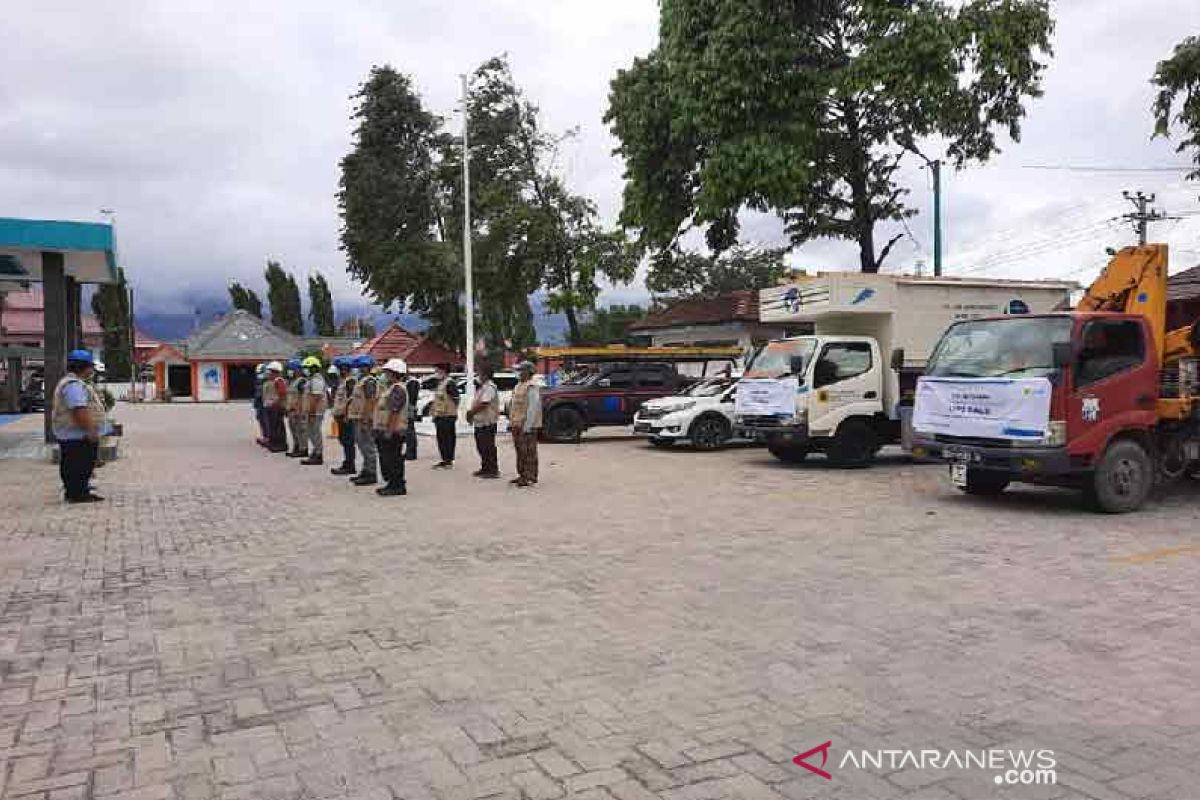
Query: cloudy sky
{"points": [[214, 129]]}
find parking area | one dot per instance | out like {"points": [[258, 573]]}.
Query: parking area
{"points": [[645, 623]]}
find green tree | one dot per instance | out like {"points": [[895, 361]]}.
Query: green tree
{"points": [[607, 325], [807, 109], [283, 296], [110, 305], [320, 305], [1178, 101], [402, 206], [245, 299], [689, 274]]}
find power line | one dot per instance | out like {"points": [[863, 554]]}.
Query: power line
{"points": [[1086, 168]]}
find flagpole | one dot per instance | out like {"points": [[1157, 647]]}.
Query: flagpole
{"points": [[468, 290]]}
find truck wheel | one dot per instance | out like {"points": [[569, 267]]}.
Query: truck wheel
{"points": [[564, 425], [853, 446], [1123, 478], [983, 483], [789, 454], [709, 433]]}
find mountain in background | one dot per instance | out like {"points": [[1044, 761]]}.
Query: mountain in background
{"points": [[167, 327]]}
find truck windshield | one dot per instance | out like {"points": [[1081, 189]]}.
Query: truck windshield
{"points": [[1010, 348], [775, 360]]}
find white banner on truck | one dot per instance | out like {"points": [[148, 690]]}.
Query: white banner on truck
{"points": [[993, 408], [766, 397]]}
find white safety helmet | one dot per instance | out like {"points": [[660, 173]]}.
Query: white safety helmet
{"points": [[396, 365], [274, 366]]}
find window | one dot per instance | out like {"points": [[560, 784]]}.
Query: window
{"points": [[651, 378], [1109, 347], [617, 379], [840, 362]]}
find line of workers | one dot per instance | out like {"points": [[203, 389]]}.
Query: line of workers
{"points": [[376, 408]]}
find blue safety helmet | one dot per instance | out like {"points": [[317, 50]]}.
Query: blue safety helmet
{"points": [[293, 363], [343, 362], [364, 361], [81, 357]]}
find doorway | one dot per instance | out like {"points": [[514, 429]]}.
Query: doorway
{"points": [[241, 381], [179, 380]]}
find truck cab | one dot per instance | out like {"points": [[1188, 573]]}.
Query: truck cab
{"points": [[819, 394], [1063, 400]]}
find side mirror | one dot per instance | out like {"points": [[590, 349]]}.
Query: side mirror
{"points": [[1063, 354], [898, 359], [796, 365]]}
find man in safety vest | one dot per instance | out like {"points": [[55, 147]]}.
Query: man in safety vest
{"points": [[341, 407], [76, 415], [295, 411], [391, 426], [524, 422], [444, 411], [275, 390], [313, 404], [361, 411]]}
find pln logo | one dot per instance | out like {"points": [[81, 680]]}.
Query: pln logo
{"points": [[792, 301]]}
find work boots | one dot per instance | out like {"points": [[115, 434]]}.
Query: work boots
{"points": [[298, 454], [364, 479], [313, 461], [344, 469]]}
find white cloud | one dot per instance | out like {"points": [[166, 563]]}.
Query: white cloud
{"points": [[215, 129]]}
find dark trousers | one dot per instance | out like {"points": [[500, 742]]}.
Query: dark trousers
{"points": [[276, 434], [446, 437], [485, 443], [260, 414], [410, 441], [75, 465], [527, 457], [391, 459], [346, 437]]}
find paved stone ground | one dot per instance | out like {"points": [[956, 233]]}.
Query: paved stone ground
{"points": [[645, 624]]}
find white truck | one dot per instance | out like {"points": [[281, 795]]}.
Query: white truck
{"points": [[839, 389]]}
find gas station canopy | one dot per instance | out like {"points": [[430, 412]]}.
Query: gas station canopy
{"points": [[87, 249]]}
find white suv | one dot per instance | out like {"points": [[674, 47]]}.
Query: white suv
{"points": [[703, 415]]}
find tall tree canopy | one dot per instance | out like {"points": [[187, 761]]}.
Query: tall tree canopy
{"points": [[607, 325], [1178, 101], [320, 305], [691, 274], [402, 208], [807, 108], [110, 304], [245, 299], [283, 296]]}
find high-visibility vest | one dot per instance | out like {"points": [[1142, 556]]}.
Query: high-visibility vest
{"points": [[443, 404], [341, 397], [294, 392], [387, 420], [361, 407], [270, 395], [60, 413]]}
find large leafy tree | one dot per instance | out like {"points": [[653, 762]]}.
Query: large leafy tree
{"points": [[110, 304], [1178, 101], [245, 299], [283, 295], [807, 108], [692, 274], [607, 325], [402, 208], [320, 305]]}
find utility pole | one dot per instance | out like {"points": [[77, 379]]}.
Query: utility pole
{"points": [[470, 297], [1144, 215], [936, 166]]}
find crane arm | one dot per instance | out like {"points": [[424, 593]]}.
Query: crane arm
{"points": [[1134, 282]]}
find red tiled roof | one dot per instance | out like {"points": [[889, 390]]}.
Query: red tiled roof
{"points": [[1184, 285], [395, 342], [738, 306]]}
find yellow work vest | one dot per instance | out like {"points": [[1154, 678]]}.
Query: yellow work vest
{"points": [[443, 404], [385, 419]]}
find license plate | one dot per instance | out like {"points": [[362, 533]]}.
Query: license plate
{"points": [[958, 474], [957, 456]]}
